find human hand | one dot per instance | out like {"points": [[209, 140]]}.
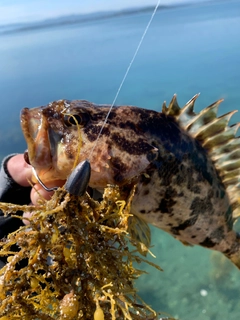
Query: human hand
{"points": [[21, 172]]}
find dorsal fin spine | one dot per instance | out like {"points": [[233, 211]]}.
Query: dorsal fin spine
{"points": [[217, 137]]}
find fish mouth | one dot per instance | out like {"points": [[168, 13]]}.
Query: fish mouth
{"points": [[35, 130], [26, 157]]}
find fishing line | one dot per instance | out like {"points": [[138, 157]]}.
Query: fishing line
{"points": [[125, 76], [83, 165]]}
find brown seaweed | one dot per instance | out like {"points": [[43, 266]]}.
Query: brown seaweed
{"points": [[78, 261]]}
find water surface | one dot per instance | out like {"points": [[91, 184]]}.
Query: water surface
{"points": [[187, 50]]}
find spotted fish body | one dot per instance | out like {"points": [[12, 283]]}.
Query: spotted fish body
{"points": [[185, 166]]}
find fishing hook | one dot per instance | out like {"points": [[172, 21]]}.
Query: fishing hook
{"points": [[76, 183]]}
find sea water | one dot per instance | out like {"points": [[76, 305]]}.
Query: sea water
{"points": [[187, 50]]}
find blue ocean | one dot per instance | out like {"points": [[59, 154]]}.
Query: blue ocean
{"points": [[188, 49]]}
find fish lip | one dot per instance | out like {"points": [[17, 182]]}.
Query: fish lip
{"points": [[35, 125], [27, 132]]}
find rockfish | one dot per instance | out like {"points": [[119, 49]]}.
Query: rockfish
{"points": [[185, 166]]}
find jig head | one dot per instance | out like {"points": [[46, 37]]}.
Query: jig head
{"points": [[76, 183], [78, 180]]}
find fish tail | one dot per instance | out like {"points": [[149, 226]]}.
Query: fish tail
{"points": [[235, 256]]}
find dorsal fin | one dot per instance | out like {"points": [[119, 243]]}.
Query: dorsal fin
{"points": [[215, 135]]}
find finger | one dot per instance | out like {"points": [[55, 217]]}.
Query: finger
{"points": [[20, 171], [39, 192], [27, 215]]}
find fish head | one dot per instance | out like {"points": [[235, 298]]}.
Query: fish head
{"points": [[64, 133]]}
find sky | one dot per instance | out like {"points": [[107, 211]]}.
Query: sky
{"points": [[15, 11]]}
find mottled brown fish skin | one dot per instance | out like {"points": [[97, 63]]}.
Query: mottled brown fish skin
{"points": [[178, 187]]}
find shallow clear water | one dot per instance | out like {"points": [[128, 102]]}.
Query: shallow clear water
{"points": [[187, 50]]}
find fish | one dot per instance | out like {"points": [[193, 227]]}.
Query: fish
{"points": [[185, 166]]}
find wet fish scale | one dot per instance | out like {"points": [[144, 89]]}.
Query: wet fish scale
{"points": [[179, 184]]}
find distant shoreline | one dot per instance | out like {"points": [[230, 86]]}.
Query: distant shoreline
{"points": [[84, 18]]}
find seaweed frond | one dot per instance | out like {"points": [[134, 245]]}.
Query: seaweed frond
{"points": [[73, 261]]}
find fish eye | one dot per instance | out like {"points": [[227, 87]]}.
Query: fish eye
{"points": [[75, 119]]}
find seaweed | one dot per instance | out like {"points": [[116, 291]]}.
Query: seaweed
{"points": [[74, 260]]}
